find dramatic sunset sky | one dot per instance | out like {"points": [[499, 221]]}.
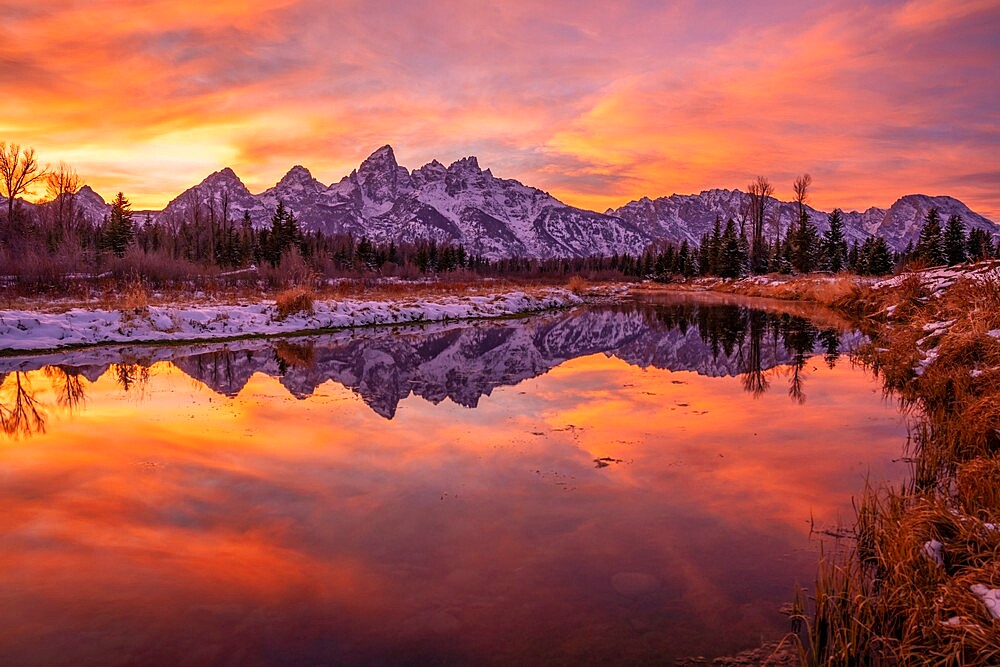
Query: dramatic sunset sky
{"points": [[597, 102]]}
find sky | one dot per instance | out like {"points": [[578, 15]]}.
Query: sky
{"points": [[598, 103]]}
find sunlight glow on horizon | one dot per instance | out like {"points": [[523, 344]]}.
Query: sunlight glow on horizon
{"points": [[598, 105]]}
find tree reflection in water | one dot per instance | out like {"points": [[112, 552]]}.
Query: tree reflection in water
{"points": [[21, 414], [459, 361]]}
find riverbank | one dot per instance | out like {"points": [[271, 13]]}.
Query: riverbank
{"points": [[135, 320], [920, 582]]}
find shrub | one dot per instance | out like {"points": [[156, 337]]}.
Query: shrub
{"points": [[576, 284], [293, 301]]}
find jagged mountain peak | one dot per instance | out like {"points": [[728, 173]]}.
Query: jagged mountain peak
{"points": [[468, 164], [225, 178], [87, 192], [296, 174], [432, 171], [383, 159], [497, 217], [297, 182]]}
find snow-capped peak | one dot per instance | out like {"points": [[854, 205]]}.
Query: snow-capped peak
{"points": [[297, 174], [497, 217], [86, 192]]}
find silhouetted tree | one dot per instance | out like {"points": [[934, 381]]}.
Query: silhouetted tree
{"points": [[731, 257], [760, 191], [803, 243], [954, 240], [833, 245], [979, 245], [930, 246], [119, 231], [19, 169]]}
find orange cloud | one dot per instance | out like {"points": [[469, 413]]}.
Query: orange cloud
{"points": [[596, 104]]}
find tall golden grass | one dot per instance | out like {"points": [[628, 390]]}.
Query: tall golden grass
{"points": [[885, 599]]}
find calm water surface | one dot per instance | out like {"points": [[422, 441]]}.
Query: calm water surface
{"points": [[608, 485]]}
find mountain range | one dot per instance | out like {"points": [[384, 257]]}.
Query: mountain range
{"points": [[498, 217]]}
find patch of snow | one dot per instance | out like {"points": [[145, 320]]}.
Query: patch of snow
{"points": [[33, 330], [938, 326], [929, 357], [935, 551], [989, 596]]}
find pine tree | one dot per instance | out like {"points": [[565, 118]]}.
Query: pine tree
{"points": [[731, 256], [980, 246], [715, 248], [834, 246], [119, 231], [930, 246], [804, 241], [704, 260], [879, 260], [954, 240]]}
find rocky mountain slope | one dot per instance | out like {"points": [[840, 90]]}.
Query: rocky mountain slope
{"points": [[499, 217], [459, 203], [680, 217]]}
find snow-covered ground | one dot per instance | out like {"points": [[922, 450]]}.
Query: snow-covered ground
{"points": [[940, 278], [34, 330]]}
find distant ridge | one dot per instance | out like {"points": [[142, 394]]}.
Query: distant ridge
{"points": [[498, 217]]}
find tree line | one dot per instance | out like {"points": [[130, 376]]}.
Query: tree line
{"points": [[56, 238]]}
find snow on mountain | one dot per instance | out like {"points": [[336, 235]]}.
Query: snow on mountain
{"points": [[221, 195], [499, 217], [689, 217], [459, 203], [902, 223], [90, 204]]}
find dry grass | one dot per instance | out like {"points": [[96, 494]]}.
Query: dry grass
{"points": [[577, 284], [886, 601], [135, 298], [247, 289], [823, 288], [293, 301], [132, 301]]}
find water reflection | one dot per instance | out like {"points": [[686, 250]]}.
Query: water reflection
{"points": [[616, 496], [20, 412], [460, 362]]}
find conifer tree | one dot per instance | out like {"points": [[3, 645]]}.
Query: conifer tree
{"points": [[119, 231], [834, 246], [980, 246], [715, 247], [853, 257], [930, 246], [879, 259], [804, 239], [954, 240], [731, 258]]}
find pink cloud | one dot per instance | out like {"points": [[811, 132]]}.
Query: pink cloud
{"points": [[597, 104]]}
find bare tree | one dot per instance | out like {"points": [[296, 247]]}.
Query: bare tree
{"points": [[760, 191], [19, 169], [801, 187], [23, 416], [60, 186]]}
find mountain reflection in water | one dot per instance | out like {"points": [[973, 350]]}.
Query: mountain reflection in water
{"points": [[636, 484], [461, 362]]}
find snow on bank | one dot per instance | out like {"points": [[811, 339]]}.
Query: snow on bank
{"points": [[31, 330], [938, 279]]}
